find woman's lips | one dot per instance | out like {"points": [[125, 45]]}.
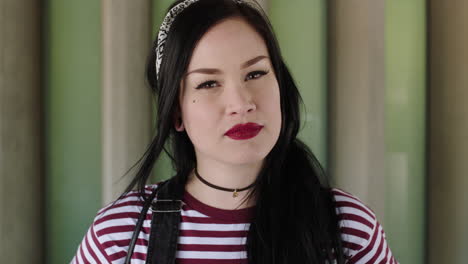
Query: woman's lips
{"points": [[244, 131]]}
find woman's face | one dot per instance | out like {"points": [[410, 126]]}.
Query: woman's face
{"points": [[230, 81]]}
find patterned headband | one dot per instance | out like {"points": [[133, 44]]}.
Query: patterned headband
{"points": [[166, 25]]}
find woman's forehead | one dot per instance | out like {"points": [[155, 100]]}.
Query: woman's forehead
{"points": [[233, 40]]}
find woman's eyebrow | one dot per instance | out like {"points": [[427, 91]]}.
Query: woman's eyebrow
{"points": [[217, 71], [205, 71], [253, 61]]}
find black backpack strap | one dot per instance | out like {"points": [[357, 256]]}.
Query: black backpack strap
{"points": [[139, 223], [165, 223]]}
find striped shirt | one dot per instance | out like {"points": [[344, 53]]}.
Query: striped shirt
{"points": [[211, 235]]}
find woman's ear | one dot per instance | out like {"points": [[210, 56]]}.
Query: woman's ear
{"points": [[178, 123]]}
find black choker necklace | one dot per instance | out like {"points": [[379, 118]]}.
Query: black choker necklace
{"points": [[234, 191]]}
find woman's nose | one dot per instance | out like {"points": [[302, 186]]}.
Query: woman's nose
{"points": [[240, 101]]}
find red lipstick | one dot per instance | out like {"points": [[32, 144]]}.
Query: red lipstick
{"points": [[244, 131]]}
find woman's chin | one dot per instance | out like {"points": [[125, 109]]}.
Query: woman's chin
{"points": [[247, 158]]}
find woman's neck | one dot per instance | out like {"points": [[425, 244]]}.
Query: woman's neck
{"points": [[227, 176]]}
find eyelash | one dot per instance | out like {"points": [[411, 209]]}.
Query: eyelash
{"points": [[207, 84]]}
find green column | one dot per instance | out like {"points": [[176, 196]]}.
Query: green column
{"points": [[72, 53], [301, 31], [405, 125]]}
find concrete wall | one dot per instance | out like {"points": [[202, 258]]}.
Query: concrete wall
{"points": [[21, 148], [448, 130]]}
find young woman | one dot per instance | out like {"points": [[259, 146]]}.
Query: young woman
{"points": [[250, 190]]}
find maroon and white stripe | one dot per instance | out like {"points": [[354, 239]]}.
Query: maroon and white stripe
{"points": [[362, 235], [210, 235]]}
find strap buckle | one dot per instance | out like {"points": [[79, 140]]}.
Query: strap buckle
{"points": [[166, 206]]}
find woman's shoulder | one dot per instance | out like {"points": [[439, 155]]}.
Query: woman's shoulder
{"points": [[121, 213], [125, 203], [348, 204], [108, 236], [362, 235], [356, 220]]}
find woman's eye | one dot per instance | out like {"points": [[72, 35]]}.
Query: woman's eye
{"points": [[208, 84], [255, 75]]}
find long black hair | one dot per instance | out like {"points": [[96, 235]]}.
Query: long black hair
{"points": [[295, 219]]}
